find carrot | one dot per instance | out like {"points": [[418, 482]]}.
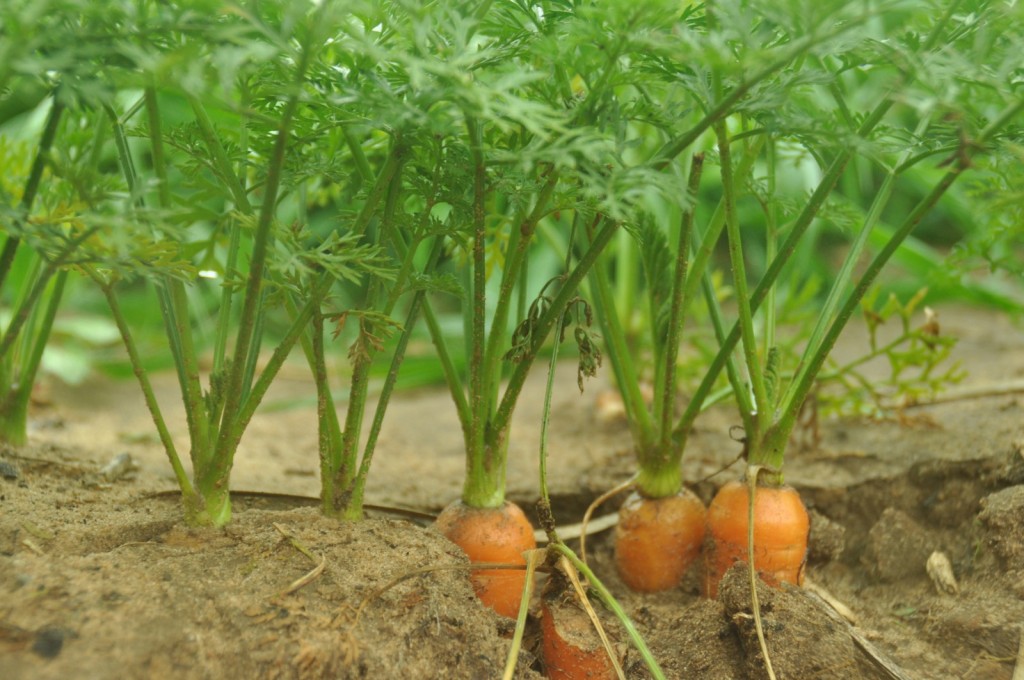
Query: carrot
{"points": [[570, 647], [492, 535], [781, 526], [657, 539], [661, 526]]}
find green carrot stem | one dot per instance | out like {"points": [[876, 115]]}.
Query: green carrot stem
{"points": [[811, 209], [329, 429], [147, 388], [626, 277], [659, 474], [484, 486], [227, 295], [124, 155], [549, 389], [355, 506], [753, 422], [845, 274], [846, 270], [477, 464], [27, 303], [733, 372], [667, 402], [251, 309], [235, 182], [252, 356], [174, 304], [28, 196], [840, 99], [641, 425], [356, 149], [195, 413], [380, 188], [704, 245], [177, 333], [391, 233], [156, 147], [211, 506], [219, 156], [266, 377], [211, 480], [354, 410], [448, 369], [14, 417], [771, 249], [940, 26], [342, 489], [545, 323], [359, 386], [25, 308], [636, 411], [42, 333], [515, 261]]}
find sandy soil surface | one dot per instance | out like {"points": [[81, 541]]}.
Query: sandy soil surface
{"points": [[99, 577]]}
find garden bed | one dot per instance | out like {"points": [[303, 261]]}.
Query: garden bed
{"points": [[100, 578]]}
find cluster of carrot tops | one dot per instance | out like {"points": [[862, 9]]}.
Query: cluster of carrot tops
{"points": [[296, 174]]}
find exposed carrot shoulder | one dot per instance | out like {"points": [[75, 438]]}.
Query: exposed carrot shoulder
{"points": [[571, 648], [657, 539], [493, 535], [781, 527]]}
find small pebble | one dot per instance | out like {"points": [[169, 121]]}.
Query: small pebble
{"points": [[940, 570], [118, 467], [8, 471], [49, 642]]}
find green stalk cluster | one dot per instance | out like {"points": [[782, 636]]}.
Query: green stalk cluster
{"points": [[35, 307], [428, 145], [216, 417], [769, 395]]}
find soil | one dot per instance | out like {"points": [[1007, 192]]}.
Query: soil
{"points": [[101, 579]]}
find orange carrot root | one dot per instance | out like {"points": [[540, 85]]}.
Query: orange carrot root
{"points": [[493, 535], [781, 527], [571, 648], [657, 539]]}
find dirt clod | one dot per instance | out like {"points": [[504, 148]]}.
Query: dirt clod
{"points": [[897, 547], [792, 626], [827, 539], [1002, 515]]}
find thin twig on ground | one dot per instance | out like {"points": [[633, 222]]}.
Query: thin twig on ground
{"points": [[320, 562], [831, 601], [569, 532]]}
